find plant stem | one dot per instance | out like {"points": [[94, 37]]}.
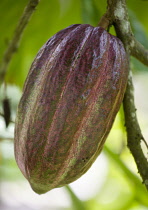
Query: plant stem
{"points": [[104, 22], [118, 14], [14, 43]]}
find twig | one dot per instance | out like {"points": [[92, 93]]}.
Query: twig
{"points": [[118, 15], [13, 45]]}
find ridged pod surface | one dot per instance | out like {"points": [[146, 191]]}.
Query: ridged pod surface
{"points": [[71, 96]]}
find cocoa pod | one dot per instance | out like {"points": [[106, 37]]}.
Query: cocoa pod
{"points": [[71, 96]]}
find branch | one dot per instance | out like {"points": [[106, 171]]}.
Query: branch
{"points": [[134, 135], [118, 16], [139, 52], [13, 45]]}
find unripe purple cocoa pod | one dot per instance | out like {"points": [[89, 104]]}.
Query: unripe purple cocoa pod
{"points": [[71, 96]]}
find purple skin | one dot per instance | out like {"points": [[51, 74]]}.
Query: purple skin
{"points": [[71, 96]]}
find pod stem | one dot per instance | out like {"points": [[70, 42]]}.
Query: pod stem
{"points": [[104, 22]]}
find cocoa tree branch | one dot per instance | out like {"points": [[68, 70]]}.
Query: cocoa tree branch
{"points": [[139, 52], [134, 134], [118, 16], [13, 45]]}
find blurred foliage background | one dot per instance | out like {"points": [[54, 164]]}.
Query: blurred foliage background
{"points": [[113, 182]]}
